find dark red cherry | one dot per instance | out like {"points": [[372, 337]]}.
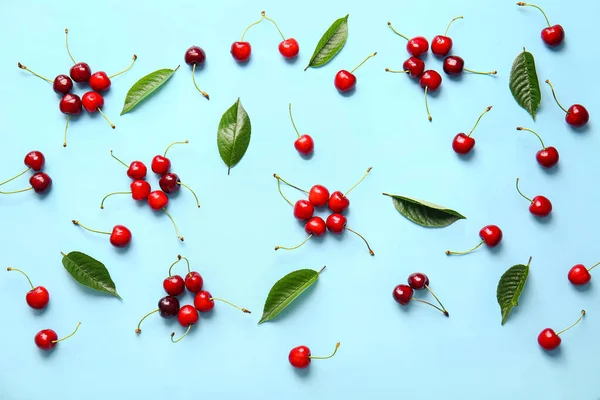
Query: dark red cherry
{"points": [[70, 104], [418, 281], [403, 294], [195, 55], [35, 160], [62, 84], [41, 182], [80, 72], [415, 67], [170, 183]]}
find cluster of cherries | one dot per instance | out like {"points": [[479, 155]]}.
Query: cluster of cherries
{"points": [[40, 181], [403, 294], [80, 72], [175, 285], [319, 196], [38, 298]]}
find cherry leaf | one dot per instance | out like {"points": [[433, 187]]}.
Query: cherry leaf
{"points": [[424, 213], [233, 135], [330, 44], [510, 287], [524, 84], [145, 87], [89, 272]]}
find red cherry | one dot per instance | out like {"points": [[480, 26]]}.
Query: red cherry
{"points": [[187, 316], [157, 200], [195, 55], [417, 46], [548, 156], [170, 183], [462, 144], [137, 170], [194, 282], [454, 65], [203, 301], [415, 67], [540, 205], [431, 80], [403, 294], [80, 72], [441, 45], [491, 235], [345, 81], [46, 339], [35, 160], [40, 182], [315, 226], [174, 285], [318, 195], [92, 101], [99, 81], [549, 340], [580, 275], [168, 307], [120, 236], [289, 48], [304, 144], [241, 51], [577, 116], [38, 297], [338, 202], [336, 223], [553, 35], [299, 357], [418, 281], [62, 84], [160, 165], [70, 104], [303, 210]]}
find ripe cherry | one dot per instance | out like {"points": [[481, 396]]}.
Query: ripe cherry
{"points": [[204, 302], [314, 227], [157, 200], [300, 356], [549, 340], [442, 44], [430, 80], [80, 72], [194, 282], [140, 190], [119, 237], [338, 202], [577, 115], [418, 281], [170, 183], [547, 157], [100, 81], [34, 160], [455, 65], [161, 164], [168, 307], [187, 317], [553, 35], [195, 56], [540, 206], [92, 102], [46, 339], [463, 144], [318, 195], [403, 294], [174, 285], [415, 46], [40, 183], [413, 66], [70, 104], [136, 170], [304, 144], [491, 235], [288, 48], [62, 84], [38, 297], [346, 81], [303, 210], [336, 223], [580, 275], [241, 50]]}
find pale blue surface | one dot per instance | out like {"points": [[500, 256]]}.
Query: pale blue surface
{"points": [[386, 352]]}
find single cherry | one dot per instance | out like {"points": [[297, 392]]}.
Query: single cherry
{"points": [[314, 227], [305, 143], [430, 80], [140, 190], [174, 285], [415, 46], [418, 281], [187, 316], [288, 48], [540, 206], [46, 339], [40, 182], [455, 65], [547, 157], [70, 104], [168, 307], [170, 183], [491, 235], [318, 195], [157, 200], [553, 35], [442, 44], [577, 115], [194, 282], [580, 275], [120, 236], [336, 223], [100, 81], [136, 170], [463, 144], [338, 202], [35, 160], [300, 356], [195, 56], [62, 84], [161, 164], [241, 50], [92, 102], [38, 297], [303, 210], [550, 340], [80, 72], [205, 302], [413, 66], [346, 81]]}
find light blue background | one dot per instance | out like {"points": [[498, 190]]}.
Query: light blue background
{"points": [[386, 351]]}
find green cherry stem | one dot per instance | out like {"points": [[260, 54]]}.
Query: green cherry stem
{"points": [[252, 24], [172, 144], [118, 159], [281, 193], [337, 346], [191, 190], [231, 304], [138, 330], [576, 322], [203, 93], [108, 195], [432, 305], [479, 119], [126, 69], [184, 335], [358, 183], [67, 43], [480, 72], [397, 71], [174, 224], [427, 104], [30, 71], [448, 27], [15, 177], [520, 128], [68, 336], [371, 252], [75, 222], [292, 119], [29, 280], [396, 32], [274, 23], [593, 266], [521, 193], [295, 247], [18, 191], [289, 184], [555, 98], [179, 258], [523, 4], [438, 300], [66, 128], [363, 61], [460, 253]]}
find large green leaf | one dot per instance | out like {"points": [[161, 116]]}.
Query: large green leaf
{"points": [[330, 44], [424, 213], [286, 290], [233, 135], [145, 87], [89, 272], [524, 84], [510, 287]]}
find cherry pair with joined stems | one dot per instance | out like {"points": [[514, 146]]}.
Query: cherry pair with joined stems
{"points": [[539, 206], [300, 356], [403, 294], [553, 35], [547, 157], [491, 235], [38, 297], [120, 236], [550, 340], [577, 115], [40, 181], [580, 275], [345, 81], [463, 144], [175, 285], [46, 339]]}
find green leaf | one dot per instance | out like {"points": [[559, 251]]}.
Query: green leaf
{"points": [[233, 136], [524, 84], [89, 272], [285, 290], [424, 213], [145, 87], [510, 287], [330, 44]]}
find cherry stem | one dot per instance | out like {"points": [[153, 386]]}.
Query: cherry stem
{"points": [[231, 304], [295, 247], [281, 193], [521, 193], [362, 237], [438, 300], [191, 190], [138, 330], [251, 25], [576, 322], [108, 195], [30, 71], [432, 305], [179, 257], [172, 144], [29, 280], [479, 119], [593, 266], [459, 253], [479, 72], [68, 336], [184, 335], [555, 98], [523, 4], [106, 118], [520, 128], [119, 160], [337, 346], [363, 61], [203, 93], [289, 184], [75, 222], [427, 104], [292, 119], [396, 32], [15, 177], [67, 43], [448, 27], [397, 71], [126, 69], [18, 191], [357, 183], [174, 224], [274, 23], [66, 128]]}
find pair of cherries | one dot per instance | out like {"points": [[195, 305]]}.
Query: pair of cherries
{"points": [[40, 181], [403, 294], [241, 51]]}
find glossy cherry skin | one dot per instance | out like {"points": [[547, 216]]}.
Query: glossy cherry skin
{"points": [[338, 202], [299, 357], [548, 339], [137, 170], [41, 182], [70, 104], [418, 281], [289, 48], [577, 116], [403, 294], [430, 80], [454, 65], [168, 307], [344, 81], [304, 144], [157, 200], [241, 51], [99, 81], [187, 316], [120, 236], [553, 35], [80, 72], [194, 282], [303, 210], [46, 339], [318, 195], [62, 84], [174, 285], [441, 45], [463, 144], [579, 275], [336, 223], [491, 235], [195, 55], [417, 46], [140, 190], [169, 183], [315, 226], [160, 165], [547, 157], [203, 301], [540, 206], [37, 298], [415, 67], [35, 160], [92, 101]]}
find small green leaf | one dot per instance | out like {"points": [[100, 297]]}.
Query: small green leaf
{"points": [[524, 84], [145, 87], [233, 135], [89, 272], [285, 290], [424, 213], [510, 287], [330, 44]]}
